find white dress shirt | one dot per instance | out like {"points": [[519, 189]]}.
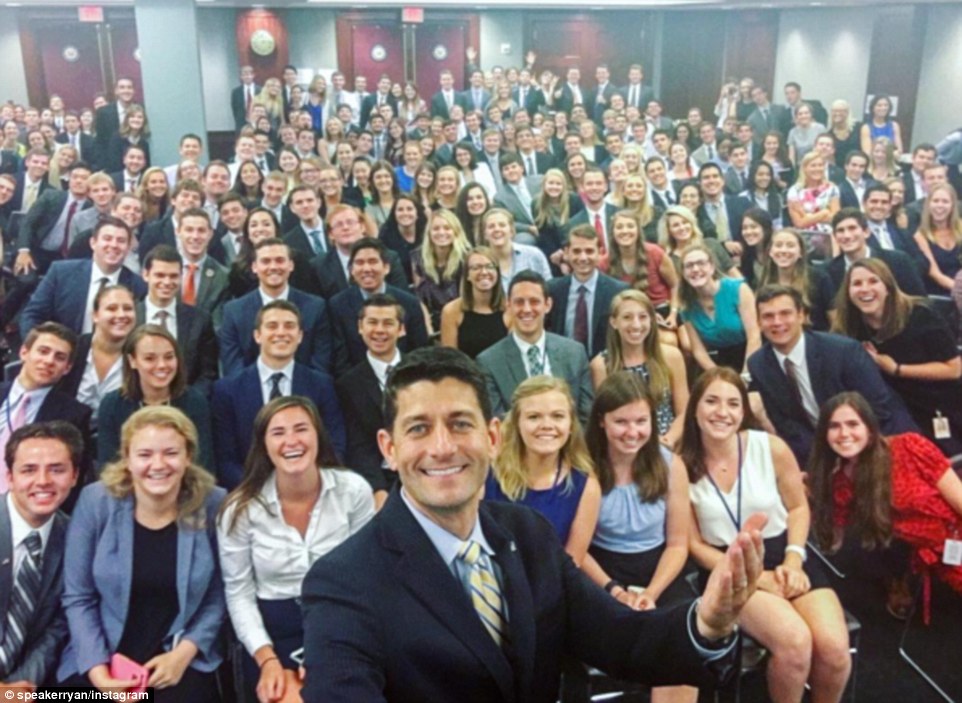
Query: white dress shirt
{"points": [[523, 346], [92, 388], [265, 372], [150, 315], [591, 284], [797, 357], [95, 275], [264, 557], [19, 529]]}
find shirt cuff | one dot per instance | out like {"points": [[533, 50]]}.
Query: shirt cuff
{"points": [[708, 654]]}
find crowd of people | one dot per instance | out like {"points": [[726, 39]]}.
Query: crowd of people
{"points": [[677, 323]]}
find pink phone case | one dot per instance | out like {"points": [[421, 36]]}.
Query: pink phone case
{"points": [[124, 668]]}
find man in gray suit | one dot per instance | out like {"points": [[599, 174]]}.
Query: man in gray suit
{"points": [[42, 458], [530, 351], [205, 282], [767, 116], [516, 193]]}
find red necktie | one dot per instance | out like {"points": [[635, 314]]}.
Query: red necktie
{"points": [[581, 317], [600, 229], [190, 290]]}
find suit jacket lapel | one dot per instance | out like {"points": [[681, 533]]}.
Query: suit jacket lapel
{"points": [[814, 358], [423, 572], [514, 362], [6, 563], [52, 554]]}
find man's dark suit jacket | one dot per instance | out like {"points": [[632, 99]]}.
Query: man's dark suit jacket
{"points": [[594, 108], [42, 217], [904, 269], [37, 659], [385, 620], [16, 202], [646, 96], [566, 101], [735, 207], [533, 100], [605, 291], [581, 218], [349, 348], [236, 402], [360, 394], [238, 105], [62, 294], [236, 334], [297, 239], [835, 364], [903, 242], [542, 162], [439, 106], [9, 162], [332, 279], [847, 195], [63, 405], [106, 125], [197, 342], [370, 102], [88, 148]]}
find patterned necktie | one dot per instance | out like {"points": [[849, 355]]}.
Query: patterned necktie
{"points": [[484, 591], [190, 288], [535, 364], [23, 601], [65, 244], [532, 168], [796, 390], [30, 195], [275, 380], [162, 315], [315, 235], [600, 231]]}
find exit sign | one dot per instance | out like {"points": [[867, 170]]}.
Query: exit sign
{"points": [[90, 13], [413, 15]]}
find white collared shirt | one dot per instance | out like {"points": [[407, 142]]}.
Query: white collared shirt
{"points": [[265, 372], [19, 529], [797, 357], [380, 367], [882, 234], [523, 346], [265, 557], [17, 394], [92, 388], [591, 284], [265, 298], [95, 275], [150, 315]]}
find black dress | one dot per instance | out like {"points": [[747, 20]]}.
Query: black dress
{"points": [[478, 331], [391, 237], [927, 338]]}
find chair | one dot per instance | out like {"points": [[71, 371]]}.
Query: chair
{"points": [[903, 652]]}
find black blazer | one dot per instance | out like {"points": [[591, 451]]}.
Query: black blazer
{"points": [[16, 202], [533, 99], [360, 394], [370, 102], [384, 602], [238, 105], [9, 162], [581, 218], [605, 291], [329, 273], [88, 148], [106, 125], [439, 106], [197, 342], [904, 269], [349, 349], [735, 207], [542, 163], [113, 158], [835, 364]]}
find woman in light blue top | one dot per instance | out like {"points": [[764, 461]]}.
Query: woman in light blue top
{"points": [[640, 546], [497, 232], [718, 313]]}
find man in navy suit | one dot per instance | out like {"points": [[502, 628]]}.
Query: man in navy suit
{"points": [[360, 390], [381, 96], [66, 293], [186, 195], [128, 179], [721, 209], [877, 206], [308, 236], [84, 144], [43, 460], [582, 315], [389, 614], [823, 365], [636, 93], [44, 233], [243, 95], [597, 213], [852, 234], [852, 188], [32, 181], [570, 93], [447, 97], [527, 95], [273, 267], [369, 269], [108, 119], [278, 332]]}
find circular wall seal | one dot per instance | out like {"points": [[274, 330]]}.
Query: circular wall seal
{"points": [[439, 52], [378, 52], [70, 54], [262, 43]]}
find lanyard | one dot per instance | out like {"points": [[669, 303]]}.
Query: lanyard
{"points": [[736, 519], [11, 407]]}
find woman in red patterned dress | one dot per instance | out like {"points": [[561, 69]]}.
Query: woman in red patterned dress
{"points": [[900, 486]]}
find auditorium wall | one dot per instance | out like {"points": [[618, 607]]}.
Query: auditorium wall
{"points": [[939, 105], [13, 77]]}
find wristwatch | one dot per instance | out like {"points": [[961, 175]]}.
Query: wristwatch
{"points": [[702, 641]]}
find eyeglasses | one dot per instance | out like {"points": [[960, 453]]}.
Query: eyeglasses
{"points": [[476, 268], [691, 265]]}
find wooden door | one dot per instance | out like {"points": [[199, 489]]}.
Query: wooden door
{"points": [[70, 67], [370, 45], [439, 46], [125, 55]]}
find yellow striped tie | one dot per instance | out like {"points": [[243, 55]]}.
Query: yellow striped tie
{"points": [[485, 592]]}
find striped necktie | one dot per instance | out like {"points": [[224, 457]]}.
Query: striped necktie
{"points": [[484, 591], [23, 601]]}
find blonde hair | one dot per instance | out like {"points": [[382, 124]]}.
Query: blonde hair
{"points": [[664, 238], [644, 213], [560, 212], [927, 226], [806, 160], [459, 249], [509, 467], [196, 484]]}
